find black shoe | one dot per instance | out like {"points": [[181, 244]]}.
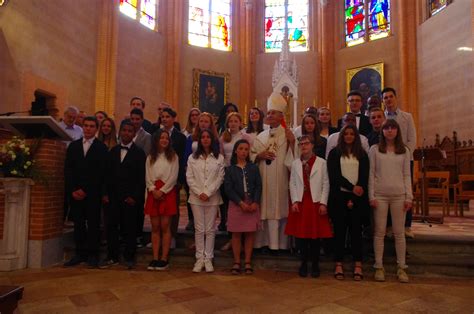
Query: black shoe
{"points": [[152, 265], [92, 262], [75, 260], [107, 263], [303, 271], [162, 265], [315, 272], [190, 226], [130, 264]]}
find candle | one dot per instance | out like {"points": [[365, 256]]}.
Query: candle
{"points": [[245, 114], [314, 102], [256, 105], [327, 105]]}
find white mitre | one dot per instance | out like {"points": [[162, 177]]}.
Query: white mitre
{"points": [[276, 102]]}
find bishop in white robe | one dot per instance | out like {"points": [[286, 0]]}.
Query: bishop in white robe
{"points": [[272, 150]]}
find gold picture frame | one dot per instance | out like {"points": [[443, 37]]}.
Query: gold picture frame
{"points": [[371, 75], [210, 90]]}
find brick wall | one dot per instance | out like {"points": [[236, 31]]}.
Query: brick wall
{"points": [[46, 211]]}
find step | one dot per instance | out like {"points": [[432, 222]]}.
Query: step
{"points": [[426, 259]]}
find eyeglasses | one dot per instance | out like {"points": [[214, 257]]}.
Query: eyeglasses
{"points": [[303, 143]]}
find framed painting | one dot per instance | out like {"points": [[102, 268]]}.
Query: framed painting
{"points": [[210, 90], [367, 79]]}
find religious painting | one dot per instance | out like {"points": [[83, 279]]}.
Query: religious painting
{"points": [[368, 80], [210, 90]]}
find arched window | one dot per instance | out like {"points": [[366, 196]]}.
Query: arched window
{"points": [[210, 24], [275, 24], [142, 10], [366, 20]]}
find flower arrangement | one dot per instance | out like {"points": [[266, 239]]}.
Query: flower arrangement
{"points": [[16, 159]]}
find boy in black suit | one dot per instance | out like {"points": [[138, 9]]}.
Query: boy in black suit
{"points": [[125, 192], [354, 100], [84, 176]]}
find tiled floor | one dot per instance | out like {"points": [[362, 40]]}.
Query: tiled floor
{"points": [[81, 290]]}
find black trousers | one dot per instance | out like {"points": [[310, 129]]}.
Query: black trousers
{"points": [[346, 219], [121, 219], [309, 249], [140, 219], [174, 223], [190, 211], [86, 217]]}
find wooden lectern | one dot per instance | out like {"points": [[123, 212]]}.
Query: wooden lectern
{"points": [[422, 155]]}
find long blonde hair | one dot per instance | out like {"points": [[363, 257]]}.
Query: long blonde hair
{"points": [[111, 140], [212, 127], [226, 136], [189, 127]]}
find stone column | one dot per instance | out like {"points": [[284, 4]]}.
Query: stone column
{"points": [[407, 27], [247, 52], [173, 30], [14, 246], [107, 41], [326, 16]]}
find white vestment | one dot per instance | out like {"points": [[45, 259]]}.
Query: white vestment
{"points": [[275, 177]]}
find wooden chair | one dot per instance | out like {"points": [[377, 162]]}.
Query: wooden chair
{"points": [[437, 188], [463, 191]]}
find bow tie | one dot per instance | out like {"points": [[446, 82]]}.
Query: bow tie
{"points": [[358, 114], [124, 147]]}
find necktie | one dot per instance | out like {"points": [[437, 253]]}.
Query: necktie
{"points": [[124, 147]]}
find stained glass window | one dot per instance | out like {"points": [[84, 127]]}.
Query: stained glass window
{"points": [[362, 15], [143, 10], [379, 19], [435, 6], [209, 24], [355, 22], [129, 8], [275, 25], [148, 13]]}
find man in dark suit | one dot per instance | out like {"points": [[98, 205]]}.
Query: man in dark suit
{"points": [[178, 141], [125, 192], [354, 100], [84, 176], [137, 102], [158, 124]]}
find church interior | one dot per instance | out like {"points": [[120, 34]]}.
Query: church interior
{"points": [[98, 54]]}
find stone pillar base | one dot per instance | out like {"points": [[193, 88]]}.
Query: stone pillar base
{"points": [[44, 253]]}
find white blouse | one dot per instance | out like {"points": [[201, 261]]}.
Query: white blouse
{"points": [[205, 175], [227, 147], [350, 170], [163, 170]]}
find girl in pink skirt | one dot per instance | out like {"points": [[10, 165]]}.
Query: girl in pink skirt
{"points": [[243, 187]]}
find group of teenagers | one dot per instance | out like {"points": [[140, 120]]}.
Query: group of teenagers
{"points": [[273, 186]]}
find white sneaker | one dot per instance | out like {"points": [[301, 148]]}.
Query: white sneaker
{"points": [[198, 265], [208, 265]]}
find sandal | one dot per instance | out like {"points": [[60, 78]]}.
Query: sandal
{"points": [[339, 275], [248, 269], [235, 269], [358, 276]]}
